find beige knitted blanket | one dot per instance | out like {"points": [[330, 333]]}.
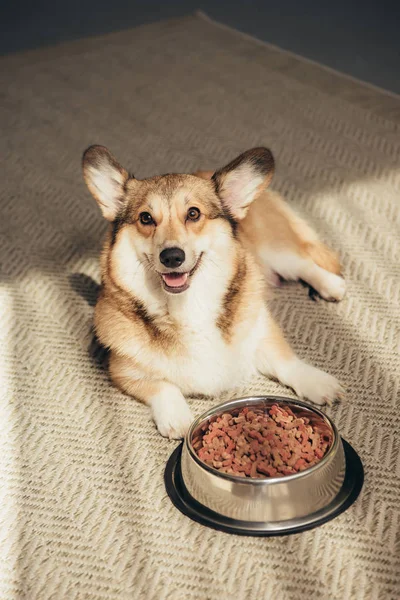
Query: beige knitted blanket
{"points": [[83, 510]]}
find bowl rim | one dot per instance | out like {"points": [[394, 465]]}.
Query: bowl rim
{"points": [[248, 400]]}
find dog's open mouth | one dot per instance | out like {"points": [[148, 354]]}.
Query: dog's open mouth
{"points": [[175, 282]]}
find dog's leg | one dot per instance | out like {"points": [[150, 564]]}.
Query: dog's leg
{"points": [[170, 410], [276, 359], [293, 266], [286, 244]]}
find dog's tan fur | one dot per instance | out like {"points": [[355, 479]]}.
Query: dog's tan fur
{"points": [[218, 329], [271, 222]]}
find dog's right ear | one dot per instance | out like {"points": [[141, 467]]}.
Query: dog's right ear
{"points": [[106, 180]]}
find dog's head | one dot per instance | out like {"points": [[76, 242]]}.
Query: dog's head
{"points": [[174, 222]]}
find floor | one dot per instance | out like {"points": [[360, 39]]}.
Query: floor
{"points": [[84, 513], [357, 38]]}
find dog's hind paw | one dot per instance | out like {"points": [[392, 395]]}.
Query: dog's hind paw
{"points": [[333, 288]]}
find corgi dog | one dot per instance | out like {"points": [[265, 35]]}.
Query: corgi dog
{"points": [[185, 267]]}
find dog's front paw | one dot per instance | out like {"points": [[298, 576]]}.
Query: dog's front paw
{"points": [[171, 414], [313, 384]]}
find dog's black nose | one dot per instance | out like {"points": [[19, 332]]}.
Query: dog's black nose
{"points": [[172, 257]]}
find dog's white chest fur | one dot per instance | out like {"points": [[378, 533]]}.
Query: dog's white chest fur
{"points": [[209, 363]]}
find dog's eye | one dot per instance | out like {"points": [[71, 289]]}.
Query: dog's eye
{"points": [[193, 214], [146, 218]]}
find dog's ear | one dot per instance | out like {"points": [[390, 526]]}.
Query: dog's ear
{"points": [[105, 179], [239, 183]]}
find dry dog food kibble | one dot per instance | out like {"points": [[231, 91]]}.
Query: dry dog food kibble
{"points": [[270, 443]]}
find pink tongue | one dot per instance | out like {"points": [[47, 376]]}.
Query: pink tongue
{"points": [[175, 279]]}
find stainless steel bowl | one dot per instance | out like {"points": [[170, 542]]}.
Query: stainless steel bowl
{"points": [[281, 502]]}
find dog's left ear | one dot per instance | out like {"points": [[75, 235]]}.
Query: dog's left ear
{"points": [[239, 183]]}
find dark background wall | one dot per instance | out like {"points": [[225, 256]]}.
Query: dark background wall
{"points": [[357, 37]]}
